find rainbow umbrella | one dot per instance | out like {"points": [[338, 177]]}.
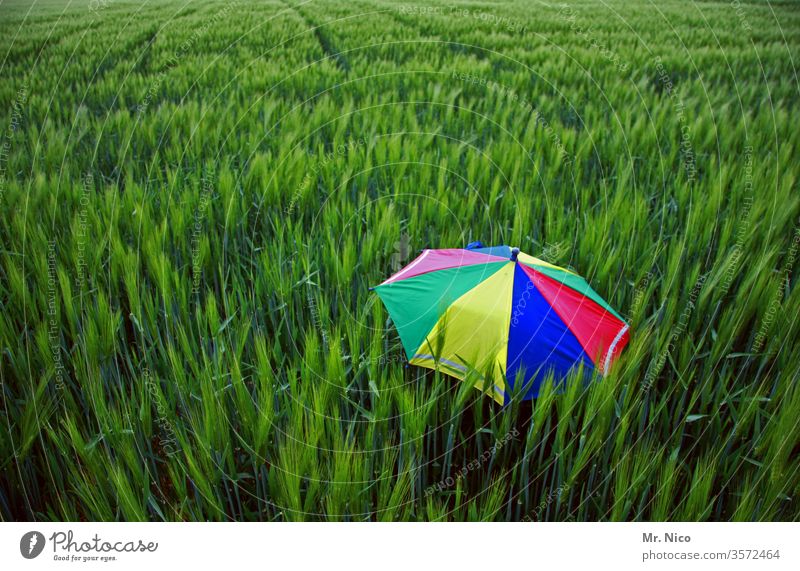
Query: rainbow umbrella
{"points": [[501, 312]]}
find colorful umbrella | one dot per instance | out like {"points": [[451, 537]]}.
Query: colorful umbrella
{"points": [[502, 312]]}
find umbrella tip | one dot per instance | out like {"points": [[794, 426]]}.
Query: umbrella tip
{"points": [[514, 254]]}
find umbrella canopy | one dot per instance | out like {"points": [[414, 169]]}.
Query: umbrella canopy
{"points": [[502, 313]]}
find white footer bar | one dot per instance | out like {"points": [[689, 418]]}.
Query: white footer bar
{"points": [[371, 546]]}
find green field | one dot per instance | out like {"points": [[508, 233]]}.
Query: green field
{"points": [[196, 197]]}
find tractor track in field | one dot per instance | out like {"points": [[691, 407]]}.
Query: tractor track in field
{"points": [[322, 37]]}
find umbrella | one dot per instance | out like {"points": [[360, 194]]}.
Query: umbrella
{"points": [[502, 314]]}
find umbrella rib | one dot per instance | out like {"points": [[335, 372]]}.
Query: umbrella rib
{"points": [[441, 360], [407, 268], [614, 343]]}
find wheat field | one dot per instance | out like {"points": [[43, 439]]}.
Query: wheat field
{"points": [[197, 196]]}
